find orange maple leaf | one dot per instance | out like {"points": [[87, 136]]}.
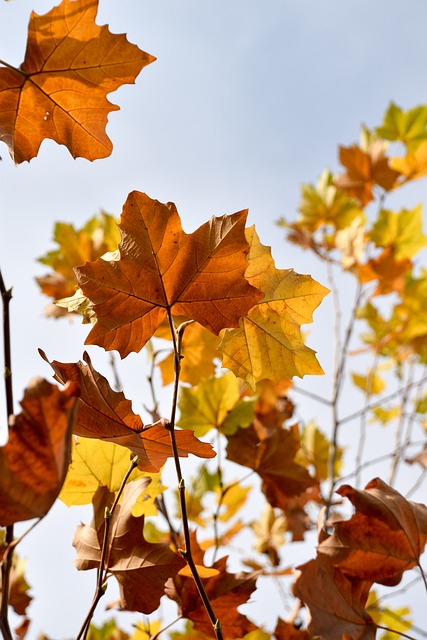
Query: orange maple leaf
{"points": [[385, 536], [140, 567], [364, 170], [34, 462], [163, 270], [107, 415], [60, 90], [387, 270]]}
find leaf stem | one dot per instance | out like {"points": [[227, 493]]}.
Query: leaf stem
{"points": [[177, 335]]}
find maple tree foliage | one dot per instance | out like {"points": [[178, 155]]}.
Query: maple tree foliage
{"points": [[215, 297], [59, 91]]}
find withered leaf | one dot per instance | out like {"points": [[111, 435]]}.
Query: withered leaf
{"points": [[164, 270], [107, 415], [140, 567], [385, 536], [226, 591], [34, 462], [60, 90], [271, 454], [287, 631], [336, 603]]}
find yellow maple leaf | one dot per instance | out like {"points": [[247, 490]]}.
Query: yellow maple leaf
{"points": [[413, 165], [268, 343], [97, 463]]}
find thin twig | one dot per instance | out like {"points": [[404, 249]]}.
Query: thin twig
{"points": [[6, 566], [165, 628], [399, 430], [177, 335], [101, 584]]}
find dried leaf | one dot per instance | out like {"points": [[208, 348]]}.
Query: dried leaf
{"points": [[164, 270], [336, 603], [59, 92], [287, 631], [141, 568], [34, 462], [107, 415], [385, 536]]}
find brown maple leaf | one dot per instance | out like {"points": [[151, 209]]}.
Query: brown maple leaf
{"points": [[140, 567], [271, 454], [107, 415], [164, 270], [365, 169], [385, 536], [34, 462], [60, 90], [226, 592], [336, 603]]}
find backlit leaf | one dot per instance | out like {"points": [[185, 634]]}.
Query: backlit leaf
{"points": [[59, 92], [268, 342], [396, 619], [98, 463], [414, 165], [164, 270], [364, 170], [215, 403], [34, 462], [141, 568], [409, 127], [370, 384], [385, 536], [403, 231], [107, 415]]}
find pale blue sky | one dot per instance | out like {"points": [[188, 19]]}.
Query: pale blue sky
{"points": [[246, 101]]}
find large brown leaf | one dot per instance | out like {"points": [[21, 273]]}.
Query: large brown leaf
{"points": [[34, 462], [140, 567], [164, 270], [271, 452], [60, 90], [226, 592], [385, 537], [336, 603], [107, 415]]}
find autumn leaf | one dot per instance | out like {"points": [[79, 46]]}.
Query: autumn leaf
{"points": [[324, 204], [403, 231], [365, 169], [272, 456], [315, 448], [59, 92], [107, 415], [385, 536], [141, 568], [226, 592], [412, 166], [215, 403], [107, 631], [164, 270], [372, 384], [395, 619], [408, 127], [19, 598], [34, 462], [387, 270], [75, 246], [269, 533], [268, 342], [336, 603], [98, 463]]}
